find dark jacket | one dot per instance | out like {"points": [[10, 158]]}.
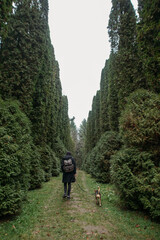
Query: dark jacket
{"points": [[69, 176]]}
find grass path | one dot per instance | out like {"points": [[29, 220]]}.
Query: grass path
{"points": [[47, 215]]}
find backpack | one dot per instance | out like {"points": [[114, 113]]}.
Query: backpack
{"points": [[68, 166]]}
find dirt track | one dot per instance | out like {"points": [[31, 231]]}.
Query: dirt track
{"points": [[77, 218]]}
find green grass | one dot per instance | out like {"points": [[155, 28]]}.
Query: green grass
{"points": [[46, 215], [21, 224], [134, 224]]}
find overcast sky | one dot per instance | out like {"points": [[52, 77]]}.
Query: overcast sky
{"points": [[78, 30]]}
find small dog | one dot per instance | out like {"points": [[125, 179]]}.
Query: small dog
{"points": [[98, 196]]}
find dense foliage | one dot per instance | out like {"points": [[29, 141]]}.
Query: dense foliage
{"points": [[136, 169], [35, 133], [140, 122], [137, 180], [148, 40], [5, 10], [127, 105], [98, 161], [15, 156], [81, 143]]}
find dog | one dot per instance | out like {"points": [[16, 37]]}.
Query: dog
{"points": [[98, 196]]}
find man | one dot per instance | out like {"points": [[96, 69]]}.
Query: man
{"points": [[68, 166]]}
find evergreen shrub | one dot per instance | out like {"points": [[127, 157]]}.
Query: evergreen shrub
{"points": [[36, 171], [55, 165], [137, 180], [140, 121], [59, 148], [136, 169], [99, 158], [15, 151], [46, 161], [87, 164], [50, 163]]}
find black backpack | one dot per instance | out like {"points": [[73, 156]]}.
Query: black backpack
{"points": [[68, 165]]}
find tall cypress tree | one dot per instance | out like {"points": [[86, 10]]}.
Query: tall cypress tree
{"points": [[44, 8], [97, 117], [30, 73], [89, 133], [93, 132], [5, 10], [93, 123], [58, 100], [81, 143], [113, 108], [74, 136], [21, 54], [148, 39], [104, 118], [122, 27], [65, 124], [53, 111]]}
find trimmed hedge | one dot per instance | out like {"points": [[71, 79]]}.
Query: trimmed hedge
{"points": [[49, 163], [140, 121], [15, 151], [36, 172], [136, 169], [98, 161], [137, 180], [55, 165], [46, 161]]}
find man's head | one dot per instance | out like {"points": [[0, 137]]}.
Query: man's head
{"points": [[68, 154]]}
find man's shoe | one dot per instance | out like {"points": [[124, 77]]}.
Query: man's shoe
{"points": [[68, 197], [64, 196]]}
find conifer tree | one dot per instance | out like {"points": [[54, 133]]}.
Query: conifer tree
{"points": [[54, 106], [44, 8], [104, 118], [74, 136], [97, 117], [5, 10], [148, 40], [57, 99], [113, 109], [15, 156], [65, 125], [93, 123], [89, 130], [21, 54], [30, 74], [81, 143], [122, 31]]}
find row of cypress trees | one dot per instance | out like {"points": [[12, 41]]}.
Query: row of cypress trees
{"points": [[34, 122], [121, 139]]}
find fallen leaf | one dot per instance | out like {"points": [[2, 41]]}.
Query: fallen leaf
{"points": [[137, 225]]}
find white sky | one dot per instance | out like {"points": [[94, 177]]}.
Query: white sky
{"points": [[79, 35]]}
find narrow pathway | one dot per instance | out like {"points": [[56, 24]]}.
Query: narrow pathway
{"points": [[47, 216], [75, 219]]}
